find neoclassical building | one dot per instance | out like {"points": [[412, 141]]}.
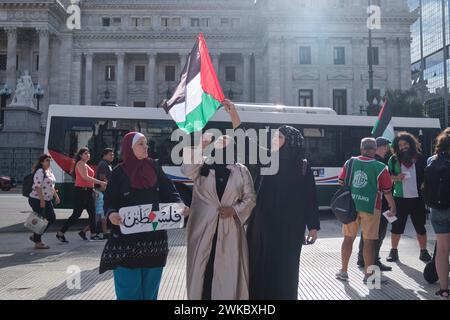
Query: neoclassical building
{"points": [[131, 52]]}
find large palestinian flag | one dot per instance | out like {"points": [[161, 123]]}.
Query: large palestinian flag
{"points": [[198, 95], [384, 127]]}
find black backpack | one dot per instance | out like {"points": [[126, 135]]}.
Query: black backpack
{"points": [[342, 203], [27, 185], [436, 188]]}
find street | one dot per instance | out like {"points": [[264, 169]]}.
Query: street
{"points": [[26, 273]]}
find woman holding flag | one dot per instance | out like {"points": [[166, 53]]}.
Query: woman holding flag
{"points": [[222, 201]]}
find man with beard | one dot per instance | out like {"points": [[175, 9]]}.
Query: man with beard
{"points": [[407, 166]]}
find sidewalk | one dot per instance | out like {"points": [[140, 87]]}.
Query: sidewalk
{"points": [[29, 274]]}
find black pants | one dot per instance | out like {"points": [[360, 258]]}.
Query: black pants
{"points": [[48, 213], [414, 207], [83, 199], [209, 271], [378, 243]]}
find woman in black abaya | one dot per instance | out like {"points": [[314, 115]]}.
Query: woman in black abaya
{"points": [[286, 205]]}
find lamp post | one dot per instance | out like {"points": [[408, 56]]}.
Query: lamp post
{"points": [[5, 93], [370, 97], [168, 93], [38, 94]]}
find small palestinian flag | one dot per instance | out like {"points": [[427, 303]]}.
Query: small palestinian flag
{"points": [[198, 95], [383, 127]]}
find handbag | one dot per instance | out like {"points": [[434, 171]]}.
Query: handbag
{"points": [[36, 223], [342, 204]]}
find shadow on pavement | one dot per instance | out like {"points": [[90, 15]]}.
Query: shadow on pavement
{"points": [[87, 281]]}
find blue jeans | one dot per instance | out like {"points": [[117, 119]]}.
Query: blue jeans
{"points": [[440, 219], [137, 284], [48, 213]]}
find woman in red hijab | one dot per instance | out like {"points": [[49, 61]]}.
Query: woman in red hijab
{"points": [[137, 259]]}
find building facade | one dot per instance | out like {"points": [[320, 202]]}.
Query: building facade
{"points": [[429, 54], [131, 52]]}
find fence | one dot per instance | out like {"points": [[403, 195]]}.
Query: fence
{"points": [[17, 162]]}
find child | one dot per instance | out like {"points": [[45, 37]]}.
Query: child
{"points": [[99, 210]]}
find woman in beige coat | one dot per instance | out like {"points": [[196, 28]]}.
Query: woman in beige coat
{"points": [[222, 201]]}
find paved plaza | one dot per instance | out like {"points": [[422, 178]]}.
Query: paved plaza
{"points": [[26, 273]]}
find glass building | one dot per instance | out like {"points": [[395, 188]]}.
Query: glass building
{"points": [[429, 54]]}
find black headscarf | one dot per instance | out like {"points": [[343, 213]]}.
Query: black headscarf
{"points": [[222, 173], [293, 145], [286, 203]]}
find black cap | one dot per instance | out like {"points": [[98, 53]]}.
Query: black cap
{"points": [[382, 141]]}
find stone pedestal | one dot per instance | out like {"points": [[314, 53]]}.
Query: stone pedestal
{"points": [[21, 141]]}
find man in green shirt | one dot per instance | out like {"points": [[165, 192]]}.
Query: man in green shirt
{"points": [[370, 179]]}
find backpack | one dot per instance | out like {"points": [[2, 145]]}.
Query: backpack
{"points": [[27, 185], [342, 204], [436, 188]]}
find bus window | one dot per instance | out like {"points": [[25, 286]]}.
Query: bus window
{"points": [[321, 146], [350, 141]]}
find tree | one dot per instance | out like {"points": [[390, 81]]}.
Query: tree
{"points": [[404, 103]]}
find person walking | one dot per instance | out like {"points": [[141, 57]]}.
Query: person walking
{"points": [[103, 173], [41, 196], [83, 196], [370, 179], [222, 201], [407, 166], [137, 259]]}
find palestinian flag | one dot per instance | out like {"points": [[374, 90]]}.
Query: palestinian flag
{"points": [[198, 95], [383, 127]]}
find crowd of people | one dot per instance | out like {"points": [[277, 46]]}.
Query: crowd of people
{"points": [[245, 230]]}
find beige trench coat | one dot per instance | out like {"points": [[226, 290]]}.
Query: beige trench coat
{"points": [[230, 280]]}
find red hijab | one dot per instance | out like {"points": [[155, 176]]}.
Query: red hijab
{"points": [[141, 173]]}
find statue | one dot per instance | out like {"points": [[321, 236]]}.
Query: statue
{"points": [[23, 96]]}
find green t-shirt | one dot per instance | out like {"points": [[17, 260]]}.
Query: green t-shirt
{"points": [[369, 177]]}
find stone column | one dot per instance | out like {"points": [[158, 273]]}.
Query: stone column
{"points": [[323, 94], [88, 79], [121, 78], [215, 61], [274, 71], [359, 53], [246, 80], [391, 61], [44, 45], [289, 98], [183, 60], [405, 63], [11, 57], [151, 79], [260, 93], [76, 78]]}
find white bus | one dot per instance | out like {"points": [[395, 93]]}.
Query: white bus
{"points": [[330, 139]]}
